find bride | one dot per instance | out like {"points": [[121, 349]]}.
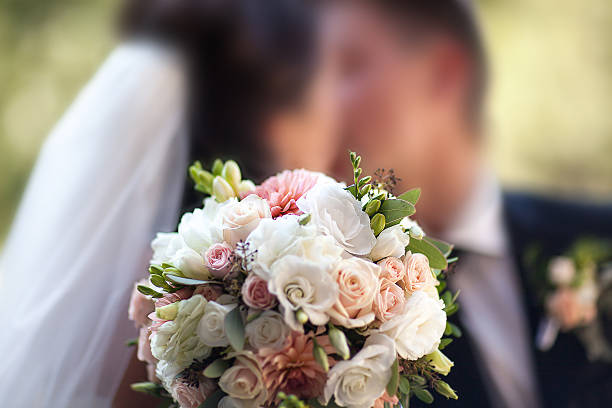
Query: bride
{"points": [[234, 78]]}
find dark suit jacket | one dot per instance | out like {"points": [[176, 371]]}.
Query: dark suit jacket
{"points": [[565, 376]]}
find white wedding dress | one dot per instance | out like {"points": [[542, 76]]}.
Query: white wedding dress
{"points": [[108, 177]]}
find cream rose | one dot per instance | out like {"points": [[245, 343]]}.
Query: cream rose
{"points": [[244, 381], [418, 273], [268, 331], [358, 284], [391, 242], [360, 381], [177, 341], [303, 285], [392, 269], [418, 329], [335, 212], [389, 302], [211, 327], [240, 218]]}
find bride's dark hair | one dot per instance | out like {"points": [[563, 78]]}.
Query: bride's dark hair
{"points": [[246, 58]]}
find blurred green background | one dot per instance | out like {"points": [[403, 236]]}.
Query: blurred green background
{"points": [[550, 120]]}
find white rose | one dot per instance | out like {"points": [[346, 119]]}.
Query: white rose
{"points": [[320, 249], [302, 284], [191, 264], [244, 381], [164, 246], [211, 328], [391, 242], [360, 381], [271, 239], [335, 212], [418, 329], [202, 228], [267, 331], [240, 218], [177, 341], [561, 271]]}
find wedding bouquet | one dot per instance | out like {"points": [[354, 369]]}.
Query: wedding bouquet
{"points": [[297, 292]]}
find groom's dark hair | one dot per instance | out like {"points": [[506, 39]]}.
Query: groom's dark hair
{"points": [[455, 18]]}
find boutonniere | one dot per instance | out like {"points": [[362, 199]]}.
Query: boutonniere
{"points": [[576, 296]]}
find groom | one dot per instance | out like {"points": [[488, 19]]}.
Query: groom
{"points": [[414, 77]]}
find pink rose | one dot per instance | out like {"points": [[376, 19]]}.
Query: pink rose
{"points": [[210, 292], [218, 260], [192, 397], [392, 269], [390, 301], [358, 285], [169, 298], [418, 273], [255, 293], [144, 347], [140, 306]]}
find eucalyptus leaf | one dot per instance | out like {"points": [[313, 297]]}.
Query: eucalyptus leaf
{"points": [[395, 378], [396, 210], [188, 281], [437, 260], [412, 196], [216, 368], [213, 400], [234, 329]]}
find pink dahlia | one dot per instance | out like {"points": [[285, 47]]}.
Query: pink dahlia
{"points": [[294, 369], [283, 190]]}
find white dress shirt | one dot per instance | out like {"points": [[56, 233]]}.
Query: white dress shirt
{"points": [[490, 300]]}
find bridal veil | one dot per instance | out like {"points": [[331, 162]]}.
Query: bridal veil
{"points": [[109, 175]]}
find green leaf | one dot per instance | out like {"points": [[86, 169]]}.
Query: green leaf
{"points": [[444, 343], [451, 309], [396, 210], [188, 281], [156, 270], [455, 330], [131, 342], [404, 385], [147, 388], [234, 329], [217, 167], [444, 247], [160, 282], [437, 260], [417, 379], [395, 378], [216, 368], [412, 196], [147, 291], [448, 330], [213, 400], [424, 395], [447, 297]]}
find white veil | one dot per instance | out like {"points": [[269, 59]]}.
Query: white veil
{"points": [[110, 174]]}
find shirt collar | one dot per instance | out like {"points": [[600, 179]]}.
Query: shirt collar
{"points": [[479, 226]]}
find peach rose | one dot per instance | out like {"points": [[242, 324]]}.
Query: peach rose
{"points": [[392, 269], [140, 306], [255, 293], [217, 259], [210, 292], [144, 353], [418, 273], [358, 285], [390, 301]]}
